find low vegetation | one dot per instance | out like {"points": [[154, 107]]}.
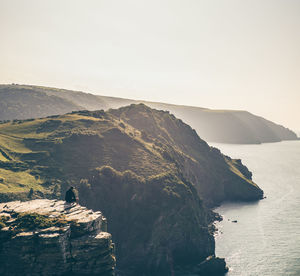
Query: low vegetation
{"points": [[25, 222]]}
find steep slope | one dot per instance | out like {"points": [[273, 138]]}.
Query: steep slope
{"points": [[224, 126], [215, 176], [150, 174]]}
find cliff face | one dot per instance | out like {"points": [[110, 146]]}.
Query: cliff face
{"points": [[159, 223], [50, 237], [215, 176]]}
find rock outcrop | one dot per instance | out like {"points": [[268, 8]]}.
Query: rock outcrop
{"points": [[212, 265], [52, 237]]}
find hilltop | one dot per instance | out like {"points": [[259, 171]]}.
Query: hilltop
{"points": [[149, 172], [223, 126]]}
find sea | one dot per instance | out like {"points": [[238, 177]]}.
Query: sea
{"points": [[265, 240]]}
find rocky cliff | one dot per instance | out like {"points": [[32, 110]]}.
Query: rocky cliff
{"points": [[51, 237]]}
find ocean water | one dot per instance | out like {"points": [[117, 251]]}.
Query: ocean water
{"points": [[266, 238]]}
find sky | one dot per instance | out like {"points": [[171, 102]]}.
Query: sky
{"points": [[220, 54]]}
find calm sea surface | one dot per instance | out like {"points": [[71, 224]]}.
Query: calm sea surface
{"points": [[266, 239]]}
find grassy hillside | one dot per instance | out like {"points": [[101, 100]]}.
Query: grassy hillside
{"points": [[150, 174], [22, 102], [224, 126], [137, 138]]}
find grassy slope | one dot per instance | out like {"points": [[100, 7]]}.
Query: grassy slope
{"points": [[70, 145], [145, 141]]}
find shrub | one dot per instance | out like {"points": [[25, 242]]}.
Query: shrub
{"points": [[3, 220], [31, 221]]}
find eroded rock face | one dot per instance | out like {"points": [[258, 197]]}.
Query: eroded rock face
{"points": [[79, 245]]}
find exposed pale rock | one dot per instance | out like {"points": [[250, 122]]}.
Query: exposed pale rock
{"points": [[79, 247]]}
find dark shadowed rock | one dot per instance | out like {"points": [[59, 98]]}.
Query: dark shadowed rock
{"points": [[212, 266]]}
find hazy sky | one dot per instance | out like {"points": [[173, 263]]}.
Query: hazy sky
{"points": [[226, 54]]}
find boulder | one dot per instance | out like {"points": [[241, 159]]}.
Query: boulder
{"points": [[212, 266]]}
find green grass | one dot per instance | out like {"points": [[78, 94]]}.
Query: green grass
{"points": [[13, 144], [32, 221], [236, 171], [2, 158], [30, 129], [18, 181], [23, 129]]}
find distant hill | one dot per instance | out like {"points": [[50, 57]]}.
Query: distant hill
{"points": [[229, 126], [149, 172], [21, 102], [223, 126]]}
